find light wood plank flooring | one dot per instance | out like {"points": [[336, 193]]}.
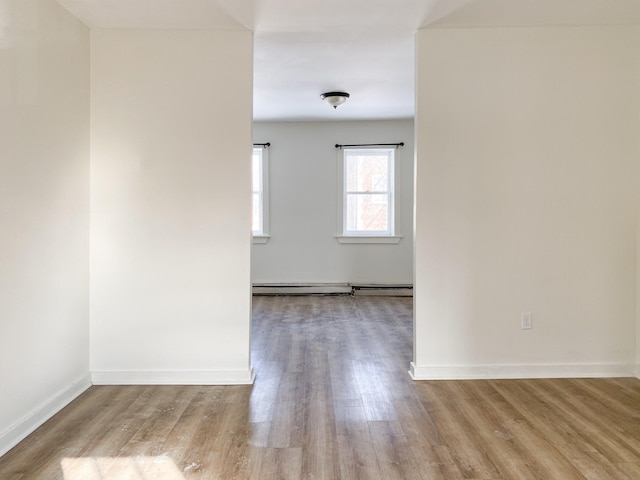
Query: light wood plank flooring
{"points": [[333, 400]]}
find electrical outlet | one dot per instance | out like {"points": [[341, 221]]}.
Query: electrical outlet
{"points": [[527, 320]]}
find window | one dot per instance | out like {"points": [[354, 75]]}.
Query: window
{"points": [[369, 200], [260, 193]]}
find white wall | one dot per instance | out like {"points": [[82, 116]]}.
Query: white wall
{"points": [[526, 175], [304, 201], [637, 65], [170, 206], [44, 213]]}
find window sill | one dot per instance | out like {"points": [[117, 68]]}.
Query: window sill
{"points": [[395, 239], [260, 239]]}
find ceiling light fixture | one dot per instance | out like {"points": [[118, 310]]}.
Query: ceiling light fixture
{"points": [[335, 99]]}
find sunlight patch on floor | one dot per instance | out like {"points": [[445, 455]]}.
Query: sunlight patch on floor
{"points": [[125, 468]]}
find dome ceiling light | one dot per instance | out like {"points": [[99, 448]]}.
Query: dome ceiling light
{"points": [[335, 99]]}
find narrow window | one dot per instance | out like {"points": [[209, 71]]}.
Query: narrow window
{"points": [[368, 195], [260, 193]]}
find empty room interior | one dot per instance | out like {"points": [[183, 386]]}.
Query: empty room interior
{"points": [[274, 239]]}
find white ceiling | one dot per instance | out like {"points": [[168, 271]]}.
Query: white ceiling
{"points": [[365, 47]]}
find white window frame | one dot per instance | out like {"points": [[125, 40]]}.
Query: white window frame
{"points": [[393, 234], [261, 235]]}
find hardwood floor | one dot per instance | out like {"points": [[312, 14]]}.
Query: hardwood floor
{"points": [[333, 400]]}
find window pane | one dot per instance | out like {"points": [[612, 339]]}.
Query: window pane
{"points": [[351, 172], [255, 219], [368, 213], [256, 171], [379, 183], [367, 172]]}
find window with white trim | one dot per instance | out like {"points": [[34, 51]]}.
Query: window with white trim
{"points": [[260, 193], [368, 199]]}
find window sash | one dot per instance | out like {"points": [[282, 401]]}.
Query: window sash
{"points": [[352, 226]]}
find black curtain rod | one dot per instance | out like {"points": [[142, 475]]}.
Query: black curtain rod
{"points": [[401, 144], [263, 145]]}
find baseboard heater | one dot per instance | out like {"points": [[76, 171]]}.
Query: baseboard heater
{"points": [[381, 290]]}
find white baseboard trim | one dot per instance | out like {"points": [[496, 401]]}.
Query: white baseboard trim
{"points": [[149, 377], [471, 372], [17, 432]]}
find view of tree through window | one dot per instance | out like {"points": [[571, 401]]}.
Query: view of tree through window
{"points": [[368, 195]]}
